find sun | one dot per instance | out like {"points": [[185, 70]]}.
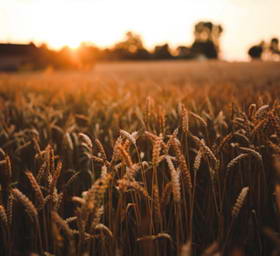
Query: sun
{"points": [[65, 25], [58, 42], [69, 23], [63, 29]]}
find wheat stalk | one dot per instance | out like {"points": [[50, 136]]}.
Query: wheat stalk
{"points": [[130, 137], [185, 119], [36, 188], [156, 204], [239, 202], [199, 118], [236, 160], [253, 152], [124, 184], [100, 148], [55, 177], [125, 156], [97, 217], [197, 160], [175, 180], [29, 206], [10, 208], [156, 151], [3, 217], [261, 111], [183, 165], [62, 224], [86, 139]]}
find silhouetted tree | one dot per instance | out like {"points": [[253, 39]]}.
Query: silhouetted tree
{"points": [[131, 43], [255, 52], [183, 52], [142, 54], [130, 48], [206, 49], [274, 46], [162, 52], [206, 43]]}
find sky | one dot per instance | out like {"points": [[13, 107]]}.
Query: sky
{"points": [[103, 22]]}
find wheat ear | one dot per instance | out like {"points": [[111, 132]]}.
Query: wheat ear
{"points": [[36, 188], [29, 206], [239, 202]]}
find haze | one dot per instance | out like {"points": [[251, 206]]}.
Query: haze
{"points": [[103, 22]]}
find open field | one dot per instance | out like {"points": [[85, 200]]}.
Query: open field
{"points": [[158, 158]]}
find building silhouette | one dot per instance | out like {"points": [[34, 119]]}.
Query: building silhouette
{"points": [[13, 57]]}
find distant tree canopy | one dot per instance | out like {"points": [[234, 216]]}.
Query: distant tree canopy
{"points": [[162, 52], [132, 43], [274, 45], [130, 48], [207, 37], [255, 52], [270, 49], [206, 45]]}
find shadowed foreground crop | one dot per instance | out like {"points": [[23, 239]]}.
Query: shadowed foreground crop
{"points": [[141, 159]]}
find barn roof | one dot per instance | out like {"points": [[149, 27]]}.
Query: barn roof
{"points": [[17, 49]]}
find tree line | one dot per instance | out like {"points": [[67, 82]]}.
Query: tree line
{"points": [[267, 51], [205, 46]]}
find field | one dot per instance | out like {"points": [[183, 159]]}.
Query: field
{"points": [[158, 158]]}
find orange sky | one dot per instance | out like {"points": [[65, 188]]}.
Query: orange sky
{"points": [[70, 22]]}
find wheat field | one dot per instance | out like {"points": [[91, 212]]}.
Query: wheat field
{"points": [[158, 158]]}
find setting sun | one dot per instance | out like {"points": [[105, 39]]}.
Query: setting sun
{"points": [[66, 25]]}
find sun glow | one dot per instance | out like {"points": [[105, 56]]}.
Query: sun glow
{"points": [[62, 23], [67, 25], [103, 22]]}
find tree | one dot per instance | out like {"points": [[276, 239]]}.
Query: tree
{"points": [[207, 37], [274, 46], [255, 52], [130, 48], [183, 52], [162, 52]]}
